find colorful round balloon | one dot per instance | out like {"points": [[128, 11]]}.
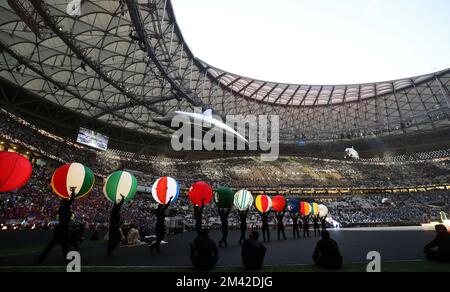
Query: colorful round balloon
{"points": [[305, 209], [224, 197], [200, 193], [279, 204], [73, 175], [243, 200], [293, 206], [118, 184], [15, 171], [323, 211], [314, 209], [164, 189], [263, 203]]}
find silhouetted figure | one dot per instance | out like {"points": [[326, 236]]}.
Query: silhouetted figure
{"points": [[224, 213], [316, 225], [160, 227], [198, 216], [76, 237], [296, 230], [300, 224], [243, 227], [115, 223], [61, 234], [280, 224], [327, 253], [253, 252], [323, 222], [439, 249], [305, 221], [95, 234], [204, 252], [265, 225]]}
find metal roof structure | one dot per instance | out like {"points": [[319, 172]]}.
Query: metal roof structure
{"points": [[126, 63]]}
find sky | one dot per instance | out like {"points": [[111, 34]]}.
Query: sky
{"points": [[319, 41]]}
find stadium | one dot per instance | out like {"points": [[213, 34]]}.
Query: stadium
{"points": [[94, 85]]}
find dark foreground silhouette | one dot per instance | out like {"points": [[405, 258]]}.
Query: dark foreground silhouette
{"points": [[61, 234], [439, 249], [327, 254], [253, 252], [204, 252]]}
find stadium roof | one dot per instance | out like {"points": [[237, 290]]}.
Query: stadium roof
{"points": [[310, 95], [126, 63]]}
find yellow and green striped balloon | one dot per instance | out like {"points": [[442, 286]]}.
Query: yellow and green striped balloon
{"points": [[314, 209], [118, 184]]}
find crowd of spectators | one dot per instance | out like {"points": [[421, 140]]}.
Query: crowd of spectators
{"points": [[35, 205], [398, 209], [287, 172], [27, 136]]}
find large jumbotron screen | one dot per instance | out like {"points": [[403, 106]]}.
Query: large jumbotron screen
{"points": [[92, 139]]}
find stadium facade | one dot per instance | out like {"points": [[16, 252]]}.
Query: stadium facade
{"points": [[120, 65]]}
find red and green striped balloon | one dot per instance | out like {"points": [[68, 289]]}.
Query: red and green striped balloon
{"points": [[118, 184], [73, 175]]}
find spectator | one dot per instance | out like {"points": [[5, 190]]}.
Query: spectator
{"points": [[133, 237], [253, 252], [204, 252], [327, 253], [439, 249]]}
